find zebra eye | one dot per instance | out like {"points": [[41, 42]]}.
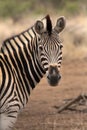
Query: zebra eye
{"points": [[40, 48], [61, 46], [39, 39]]}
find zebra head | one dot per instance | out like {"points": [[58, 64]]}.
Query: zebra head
{"points": [[50, 47]]}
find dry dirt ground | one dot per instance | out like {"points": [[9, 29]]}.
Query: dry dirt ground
{"points": [[40, 113]]}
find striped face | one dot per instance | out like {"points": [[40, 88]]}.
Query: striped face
{"points": [[50, 54], [50, 51]]}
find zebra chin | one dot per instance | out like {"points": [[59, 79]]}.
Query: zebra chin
{"points": [[53, 80]]}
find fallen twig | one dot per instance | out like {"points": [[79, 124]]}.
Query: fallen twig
{"points": [[69, 103]]}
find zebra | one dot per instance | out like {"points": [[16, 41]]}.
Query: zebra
{"points": [[24, 59]]}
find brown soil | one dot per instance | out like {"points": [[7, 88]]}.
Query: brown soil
{"points": [[40, 113]]}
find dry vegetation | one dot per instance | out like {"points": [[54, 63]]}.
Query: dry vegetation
{"points": [[40, 113], [74, 36]]}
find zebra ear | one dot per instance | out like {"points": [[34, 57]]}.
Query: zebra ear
{"points": [[39, 27], [60, 25]]}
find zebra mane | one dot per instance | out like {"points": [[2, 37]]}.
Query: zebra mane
{"points": [[49, 24]]}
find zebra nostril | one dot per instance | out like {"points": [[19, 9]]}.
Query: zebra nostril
{"points": [[59, 77], [48, 77]]}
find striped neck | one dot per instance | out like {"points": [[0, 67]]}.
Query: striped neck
{"points": [[19, 50]]}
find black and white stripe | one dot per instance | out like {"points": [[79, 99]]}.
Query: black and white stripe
{"points": [[23, 63]]}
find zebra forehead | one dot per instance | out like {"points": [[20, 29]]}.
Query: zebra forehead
{"points": [[49, 42]]}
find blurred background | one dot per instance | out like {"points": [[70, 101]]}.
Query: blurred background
{"points": [[18, 15]]}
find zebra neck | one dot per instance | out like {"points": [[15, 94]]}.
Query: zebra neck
{"points": [[20, 58], [32, 68]]}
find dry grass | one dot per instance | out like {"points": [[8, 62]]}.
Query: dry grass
{"points": [[75, 38]]}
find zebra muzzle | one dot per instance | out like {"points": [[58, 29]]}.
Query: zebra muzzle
{"points": [[53, 76]]}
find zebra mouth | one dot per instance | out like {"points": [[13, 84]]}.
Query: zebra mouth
{"points": [[53, 80]]}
